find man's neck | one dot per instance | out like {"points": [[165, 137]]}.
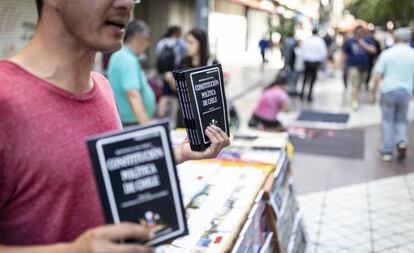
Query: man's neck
{"points": [[131, 47], [62, 63]]}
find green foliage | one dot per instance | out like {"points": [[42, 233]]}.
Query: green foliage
{"points": [[379, 12], [286, 27]]}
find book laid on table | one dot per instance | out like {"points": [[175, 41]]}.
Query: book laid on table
{"points": [[203, 102], [137, 179]]}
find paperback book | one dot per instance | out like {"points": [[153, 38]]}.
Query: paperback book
{"points": [[203, 102], [137, 180]]}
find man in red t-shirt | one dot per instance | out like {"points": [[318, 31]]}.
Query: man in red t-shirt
{"points": [[50, 101]]}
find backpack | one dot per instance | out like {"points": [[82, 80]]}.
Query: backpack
{"points": [[166, 60]]}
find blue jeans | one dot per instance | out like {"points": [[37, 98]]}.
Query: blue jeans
{"points": [[394, 107]]}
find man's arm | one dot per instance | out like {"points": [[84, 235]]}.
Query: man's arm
{"points": [[343, 59], [370, 48], [324, 50], [99, 240], [285, 106], [379, 70], [377, 79], [218, 138], [169, 78], [137, 105]]}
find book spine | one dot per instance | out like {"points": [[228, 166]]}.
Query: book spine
{"points": [[192, 100], [185, 109], [180, 100]]}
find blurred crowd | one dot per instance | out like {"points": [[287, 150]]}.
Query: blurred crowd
{"points": [[380, 62], [355, 52], [139, 99], [366, 57]]}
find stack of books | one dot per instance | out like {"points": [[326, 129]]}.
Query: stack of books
{"points": [[137, 180], [203, 102]]}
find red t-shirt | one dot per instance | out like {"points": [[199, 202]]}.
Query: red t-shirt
{"points": [[47, 188]]}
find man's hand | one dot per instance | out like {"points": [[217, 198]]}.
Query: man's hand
{"points": [[218, 138], [98, 240], [368, 47], [103, 239]]}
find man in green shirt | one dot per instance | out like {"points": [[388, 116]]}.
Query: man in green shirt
{"points": [[134, 97]]}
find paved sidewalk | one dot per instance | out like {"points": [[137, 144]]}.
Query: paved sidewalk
{"points": [[363, 218], [312, 172], [349, 205]]}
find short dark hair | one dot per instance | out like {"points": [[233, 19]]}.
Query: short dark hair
{"points": [[39, 5], [172, 30], [358, 27], [136, 27]]}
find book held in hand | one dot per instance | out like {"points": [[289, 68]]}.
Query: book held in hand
{"points": [[137, 180], [203, 102]]}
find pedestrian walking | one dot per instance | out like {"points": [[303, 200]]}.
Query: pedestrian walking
{"points": [[356, 52], [395, 71], [372, 56], [314, 53], [264, 45], [296, 70], [289, 57]]}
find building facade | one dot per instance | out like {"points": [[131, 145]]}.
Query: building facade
{"points": [[18, 20]]}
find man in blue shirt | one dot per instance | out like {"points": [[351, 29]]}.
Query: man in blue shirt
{"points": [[356, 51], [395, 67], [264, 44], [133, 95]]}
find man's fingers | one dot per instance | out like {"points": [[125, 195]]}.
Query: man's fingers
{"points": [[215, 145], [221, 132], [129, 248], [222, 138], [123, 231], [213, 135]]}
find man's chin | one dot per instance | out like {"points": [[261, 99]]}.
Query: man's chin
{"points": [[110, 48]]}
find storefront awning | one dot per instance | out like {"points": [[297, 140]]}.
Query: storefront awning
{"points": [[263, 5]]}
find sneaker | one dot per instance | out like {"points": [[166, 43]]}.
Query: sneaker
{"points": [[355, 105], [401, 150], [385, 157]]}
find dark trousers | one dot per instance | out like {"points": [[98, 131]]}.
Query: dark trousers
{"points": [[310, 75], [267, 124], [263, 54], [370, 67], [345, 76]]}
